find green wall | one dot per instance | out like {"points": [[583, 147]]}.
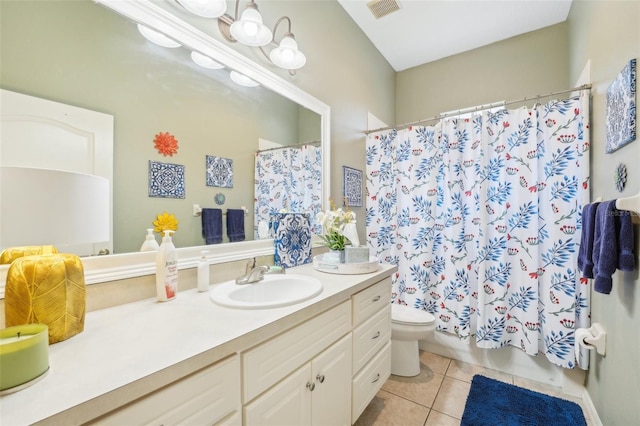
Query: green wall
{"points": [[526, 65], [607, 35]]}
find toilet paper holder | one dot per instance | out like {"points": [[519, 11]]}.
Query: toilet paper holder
{"points": [[592, 337]]}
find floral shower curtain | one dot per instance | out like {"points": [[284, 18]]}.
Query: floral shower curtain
{"points": [[483, 218], [288, 180]]}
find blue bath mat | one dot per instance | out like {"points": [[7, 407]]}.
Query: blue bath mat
{"points": [[491, 402]]}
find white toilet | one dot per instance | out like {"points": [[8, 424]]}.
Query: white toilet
{"points": [[408, 325]]}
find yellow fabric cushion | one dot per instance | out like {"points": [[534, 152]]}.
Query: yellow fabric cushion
{"points": [[47, 289], [9, 255]]}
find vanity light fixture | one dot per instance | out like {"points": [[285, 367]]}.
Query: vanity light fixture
{"points": [[205, 8], [287, 55], [205, 61], [157, 37], [248, 28], [242, 79]]}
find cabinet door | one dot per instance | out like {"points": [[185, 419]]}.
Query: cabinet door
{"points": [[287, 403], [205, 397], [331, 374]]}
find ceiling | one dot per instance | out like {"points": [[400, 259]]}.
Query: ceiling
{"points": [[422, 31]]}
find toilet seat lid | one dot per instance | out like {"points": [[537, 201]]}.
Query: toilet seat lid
{"points": [[402, 314]]}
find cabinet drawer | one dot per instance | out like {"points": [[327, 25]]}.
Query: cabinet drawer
{"points": [[370, 336], [370, 300], [270, 362], [369, 381], [207, 396]]}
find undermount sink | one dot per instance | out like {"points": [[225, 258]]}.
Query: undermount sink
{"points": [[273, 291]]}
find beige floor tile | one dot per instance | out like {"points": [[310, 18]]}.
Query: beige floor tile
{"points": [[437, 363], [452, 397], [438, 419], [387, 409], [465, 371], [421, 389]]}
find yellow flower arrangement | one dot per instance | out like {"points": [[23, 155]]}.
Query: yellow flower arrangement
{"points": [[165, 222]]}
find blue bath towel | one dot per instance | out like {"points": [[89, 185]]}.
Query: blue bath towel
{"points": [[612, 245], [235, 225], [212, 226], [585, 254]]}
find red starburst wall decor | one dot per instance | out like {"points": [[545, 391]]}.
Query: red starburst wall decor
{"points": [[166, 144]]}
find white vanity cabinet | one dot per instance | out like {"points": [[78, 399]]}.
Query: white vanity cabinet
{"points": [[305, 374], [318, 393], [371, 344], [320, 363], [208, 397]]}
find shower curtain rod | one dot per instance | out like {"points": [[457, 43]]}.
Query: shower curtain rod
{"points": [[291, 146], [477, 108]]}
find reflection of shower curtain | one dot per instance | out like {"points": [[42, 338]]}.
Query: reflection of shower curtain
{"points": [[483, 218], [290, 180]]}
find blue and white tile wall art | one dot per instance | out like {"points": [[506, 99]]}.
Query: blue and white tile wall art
{"points": [[621, 108], [352, 186], [219, 172], [166, 180], [292, 239]]}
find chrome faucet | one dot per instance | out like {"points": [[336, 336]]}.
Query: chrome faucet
{"points": [[257, 273], [253, 276]]}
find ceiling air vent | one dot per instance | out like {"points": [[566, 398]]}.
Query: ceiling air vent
{"points": [[381, 8]]}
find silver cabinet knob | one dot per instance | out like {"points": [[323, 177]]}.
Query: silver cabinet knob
{"points": [[320, 378], [311, 386]]}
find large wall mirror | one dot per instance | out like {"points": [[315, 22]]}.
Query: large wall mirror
{"points": [[92, 56]]}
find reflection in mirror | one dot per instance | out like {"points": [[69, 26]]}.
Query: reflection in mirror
{"points": [[102, 63]]}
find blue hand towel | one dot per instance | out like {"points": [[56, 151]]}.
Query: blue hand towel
{"points": [[605, 247], [212, 226], [235, 225], [612, 246], [585, 254], [626, 258]]}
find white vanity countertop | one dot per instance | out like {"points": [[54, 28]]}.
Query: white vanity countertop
{"points": [[127, 350]]}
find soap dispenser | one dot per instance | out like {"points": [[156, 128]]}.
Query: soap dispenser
{"points": [[167, 269], [203, 272], [150, 243]]}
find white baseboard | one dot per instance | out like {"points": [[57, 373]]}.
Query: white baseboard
{"points": [[594, 419]]}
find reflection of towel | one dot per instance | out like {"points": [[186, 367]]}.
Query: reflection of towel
{"points": [[235, 225], [292, 239], [585, 254], [612, 245], [212, 226]]}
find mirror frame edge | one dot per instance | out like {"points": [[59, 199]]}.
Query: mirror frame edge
{"points": [[99, 269]]}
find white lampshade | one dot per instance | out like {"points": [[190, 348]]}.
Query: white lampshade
{"points": [[242, 79], [53, 207], [157, 37], [205, 61], [249, 29], [205, 8], [287, 55]]}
